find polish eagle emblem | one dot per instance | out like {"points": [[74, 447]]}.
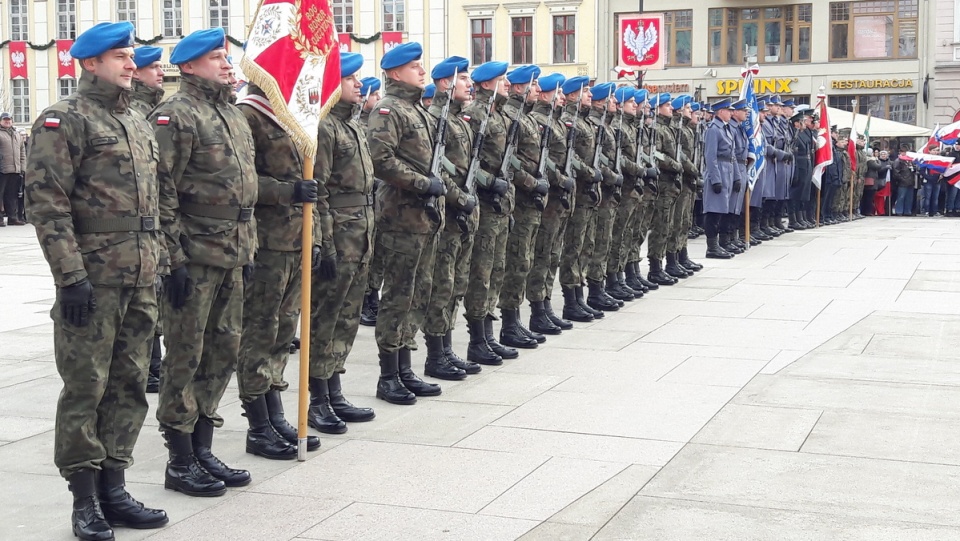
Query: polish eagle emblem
{"points": [[640, 43], [65, 57], [18, 59]]}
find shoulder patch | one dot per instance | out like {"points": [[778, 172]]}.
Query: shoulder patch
{"points": [[465, 117], [569, 124], [163, 120], [384, 111], [51, 122]]}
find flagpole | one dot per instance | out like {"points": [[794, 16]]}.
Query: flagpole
{"points": [[823, 97], [746, 205], [853, 170], [306, 266]]}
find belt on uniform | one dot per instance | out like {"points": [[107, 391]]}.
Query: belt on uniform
{"points": [[355, 199], [116, 225], [219, 212]]}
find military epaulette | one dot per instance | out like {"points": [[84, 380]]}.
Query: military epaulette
{"points": [[51, 122]]}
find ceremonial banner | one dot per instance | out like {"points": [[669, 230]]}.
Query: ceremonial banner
{"points": [[391, 40], [641, 41], [948, 135], [936, 163], [934, 140], [824, 155], [852, 143], [345, 42], [756, 148], [65, 65], [18, 59]]}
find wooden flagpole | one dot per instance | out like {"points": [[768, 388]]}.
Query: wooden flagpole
{"points": [[853, 169], [306, 266], [746, 205]]}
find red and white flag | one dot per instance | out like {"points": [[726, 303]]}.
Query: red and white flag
{"points": [[18, 59], [852, 143], [65, 64], [293, 55], [824, 154]]}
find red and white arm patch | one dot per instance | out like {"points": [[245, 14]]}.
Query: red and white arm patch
{"points": [[163, 120], [51, 122], [384, 111]]}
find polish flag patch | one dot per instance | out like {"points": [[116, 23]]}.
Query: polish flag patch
{"points": [[163, 120], [51, 123], [466, 117], [384, 111], [569, 124]]}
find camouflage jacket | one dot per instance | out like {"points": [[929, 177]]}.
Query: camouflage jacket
{"points": [[279, 165], [145, 98], [458, 151], [206, 168], [400, 134], [494, 144], [556, 146], [94, 161], [688, 141], [528, 149], [670, 167], [364, 119], [583, 144], [345, 173], [608, 153], [628, 151]]}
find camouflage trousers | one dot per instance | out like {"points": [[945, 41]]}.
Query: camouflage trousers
{"points": [[641, 224], [335, 318], [622, 237], [521, 243], [841, 200], [547, 249], [375, 273], [104, 371], [451, 272], [271, 308], [857, 195], [682, 220], [661, 223], [486, 264], [603, 240], [202, 343], [406, 288], [578, 244]]}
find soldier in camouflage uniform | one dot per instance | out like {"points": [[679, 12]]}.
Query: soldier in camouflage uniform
{"points": [[91, 192], [371, 297], [682, 217], [496, 195], [345, 205], [531, 193], [208, 186], [455, 246], [668, 190], [400, 135], [647, 190], [271, 300]]}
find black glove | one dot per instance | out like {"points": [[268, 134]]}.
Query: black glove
{"points": [[619, 181], [248, 271], [436, 187], [76, 303], [315, 259], [499, 186], [542, 187], [179, 287], [789, 156], [736, 186], [653, 188], [651, 173], [470, 205], [597, 177], [717, 188], [305, 191], [328, 268], [568, 184]]}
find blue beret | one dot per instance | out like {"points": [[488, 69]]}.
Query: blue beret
{"points": [[624, 94], [695, 107], [681, 100], [144, 56], [657, 100], [429, 91], [641, 95], [370, 84], [601, 91], [575, 84], [788, 103], [738, 105], [488, 70], [198, 44], [350, 63], [721, 104], [400, 55], [448, 66], [523, 74], [101, 38], [548, 83]]}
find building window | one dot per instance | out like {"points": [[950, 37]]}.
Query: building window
{"points": [[896, 107], [778, 34], [66, 19], [342, 15], [678, 31], [19, 26], [127, 10], [219, 14], [873, 30], [20, 88], [481, 41], [394, 15], [521, 34], [172, 18], [66, 87], [564, 41]]}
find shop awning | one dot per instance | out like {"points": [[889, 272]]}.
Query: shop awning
{"points": [[879, 127]]}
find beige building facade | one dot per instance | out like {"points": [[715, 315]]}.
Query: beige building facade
{"points": [[946, 76]]}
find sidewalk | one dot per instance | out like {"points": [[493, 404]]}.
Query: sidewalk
{"points": [[809, 389]]}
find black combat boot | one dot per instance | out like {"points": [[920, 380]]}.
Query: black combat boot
{"points": [[539, 321], [597, 300], [342, 407], [202, 449], [656, 274], [572, 309], [597, 314], [795, 223], [88, 521], [437, 365], [321, 415], [539, 337], [510, 333], [469, 367], [726, 242], [370, 309], [684, 259], [615, 290], [121, 509], [610, 298], [389, 386], [631, 278], [184, 473], [280, 424], [715, 251], [153, 374], [262, 439], [622, 281], [503, 351], [477, 349], [672, 268], [410, 380], [557, 320], [643, 281]]}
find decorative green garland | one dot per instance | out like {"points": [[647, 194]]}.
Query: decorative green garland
{"points": [[51, 43], [371, 39]]}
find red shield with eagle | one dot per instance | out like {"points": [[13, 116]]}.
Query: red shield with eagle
{"points": [[640, 40]]}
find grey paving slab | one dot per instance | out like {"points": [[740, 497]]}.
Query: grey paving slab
{"points": [[782, 360], [500, 388], [759, 427], [598, 506], [18, 428], [871, 367], [554, 531], [713, 371], [449, 422]]}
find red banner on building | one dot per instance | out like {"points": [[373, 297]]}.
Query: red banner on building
{"points": [[391, 40], [641, 41], [18, 59], [345, 42], [65, 64]]}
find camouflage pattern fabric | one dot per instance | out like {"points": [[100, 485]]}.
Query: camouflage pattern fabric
{"points": [[622, 235], [607, 211], [145, 98], [581, 228], [668, 187], [683, 212]]}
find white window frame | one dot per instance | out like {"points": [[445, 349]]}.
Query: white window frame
{"points": [[176, 11], [402, 17], [65, 87], [21, 30], [220, 12], [20, 100], [956, 23], [67, 9], [343, 5], [127, 13]]}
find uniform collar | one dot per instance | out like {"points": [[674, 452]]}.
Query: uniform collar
{"points": [[663, 119], [403, 91], [150, 95], [107, 94], [205, 88], [541, 107], [343, 110]]}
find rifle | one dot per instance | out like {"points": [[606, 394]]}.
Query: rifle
{"points": [[598, 149], [471, 181], [513, 138], [356, 114], [545, 148], [617, 194], [436, 161], [571, 142]]}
